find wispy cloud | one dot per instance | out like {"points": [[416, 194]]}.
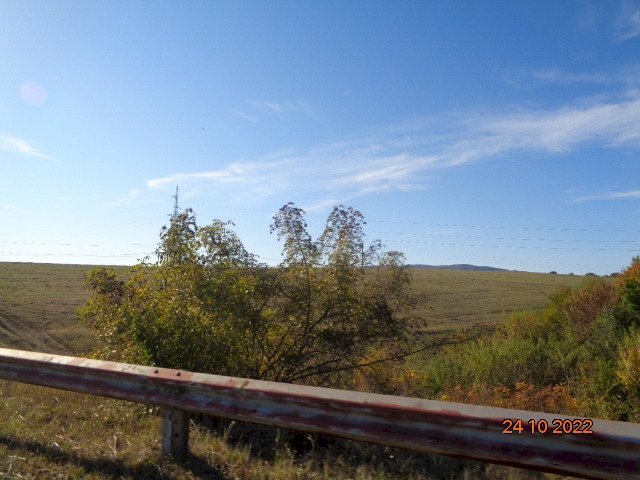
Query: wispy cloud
{"points": [[131, 195], [405, 157], [280, 108], [256, 174], [244, 116], [17, 145], [629, 23], [611, 196], [559, 76], [323, 204], [628, 76], [610, 123]]}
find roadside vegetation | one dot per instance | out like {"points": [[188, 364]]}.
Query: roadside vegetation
{"points": [[335, 313], [580, 355]]}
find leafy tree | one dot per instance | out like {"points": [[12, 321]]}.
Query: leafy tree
{"points": [[628, 284], [208, 305]]}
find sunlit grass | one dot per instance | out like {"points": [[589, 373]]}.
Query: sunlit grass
{"points": [[38, 302], [48, 433]]}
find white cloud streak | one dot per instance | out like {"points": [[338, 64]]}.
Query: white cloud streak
{"points": [[281, 108], [629, 23], [611, 196], [244, 116], [404, 157], [132, 195], [614, 123], [560, 76], [17, 145], [237, 174], [628, 76]]}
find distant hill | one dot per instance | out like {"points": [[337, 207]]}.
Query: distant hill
{"points": [[460, 266]]}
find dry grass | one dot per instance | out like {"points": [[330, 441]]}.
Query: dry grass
{"points": [[38, 302], [450, 299], [53, 434], [38, 305]]}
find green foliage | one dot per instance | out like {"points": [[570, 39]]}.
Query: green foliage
{"points": [[628, 285], [628, 365], [492, 361], [208, 305], [586, 338]]}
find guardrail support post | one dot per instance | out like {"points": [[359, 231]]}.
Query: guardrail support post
{"points": [[175, 432]]}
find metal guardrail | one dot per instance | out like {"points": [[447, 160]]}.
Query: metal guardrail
{"points": [[612, 451]]}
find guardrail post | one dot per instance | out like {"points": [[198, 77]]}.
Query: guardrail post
{"points": [[175, 432]]}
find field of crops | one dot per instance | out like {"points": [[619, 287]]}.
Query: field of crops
{"points": [[38, 302]]}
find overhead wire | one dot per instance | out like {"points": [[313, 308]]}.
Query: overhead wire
{"points": [[407, 222], [389, 240]]}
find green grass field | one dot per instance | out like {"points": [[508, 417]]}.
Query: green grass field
{"points": [[46, 433]]}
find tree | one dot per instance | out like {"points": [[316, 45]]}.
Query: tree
{"points": [[208, 305], [628, 284]]}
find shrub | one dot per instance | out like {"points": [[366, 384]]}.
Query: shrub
{"points": [[583, 305], [580, 356], [494, 361], [522, 396], [628, 367], [208, 305], [525, 324], [628, 285]]}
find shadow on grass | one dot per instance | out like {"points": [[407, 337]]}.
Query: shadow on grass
{"points": [[117, 468], [265, 442]]}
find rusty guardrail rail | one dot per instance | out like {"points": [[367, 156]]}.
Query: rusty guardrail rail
{"points": [[612, 451]]}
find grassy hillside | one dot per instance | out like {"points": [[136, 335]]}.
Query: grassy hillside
{"points": [[48, 433], [38, 302], [454, 298]]}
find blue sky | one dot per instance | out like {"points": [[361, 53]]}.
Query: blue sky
{"points": [[494, 133]]}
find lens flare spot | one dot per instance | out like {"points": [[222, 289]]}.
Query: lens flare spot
{"points": [[33, 93]]}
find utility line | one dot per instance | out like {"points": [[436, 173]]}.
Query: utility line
{"points": [[7, 242], [120, 255], [404, 222]]}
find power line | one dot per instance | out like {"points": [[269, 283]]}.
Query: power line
{"points": [[532, 247], [475, 258], [239, 226], [121, 226], [94, 217], [7, 242], [606, 230], [447, 235], [110, 228], [120, 255], [387, 244], [464, 225]]}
